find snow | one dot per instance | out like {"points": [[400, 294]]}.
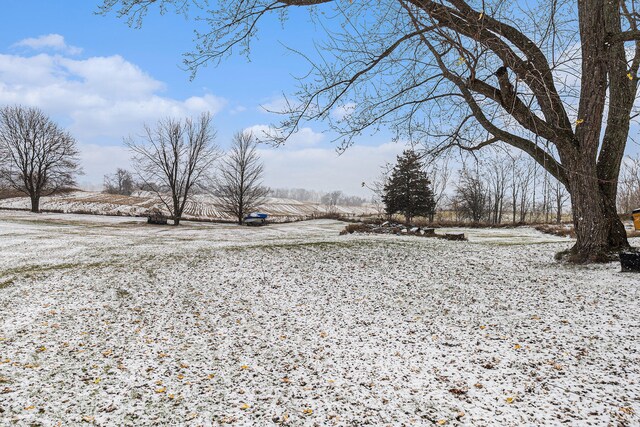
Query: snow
{"points": [[110, 321], [202, 207]]}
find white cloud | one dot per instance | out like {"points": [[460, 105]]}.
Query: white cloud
{"points": [[321, 168], [99, 100], [100, 160], [50, 41], [305, 137], [102, 97], [275, 105], [238, 109], [343, 111]]}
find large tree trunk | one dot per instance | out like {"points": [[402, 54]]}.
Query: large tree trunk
{"points": [[599, 232], [35, 203], [617, 237]]}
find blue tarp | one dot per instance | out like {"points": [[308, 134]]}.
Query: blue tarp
{"points": [[256, 215]]}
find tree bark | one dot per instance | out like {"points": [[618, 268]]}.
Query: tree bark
{"points": [[599, 232], [35, 204]]}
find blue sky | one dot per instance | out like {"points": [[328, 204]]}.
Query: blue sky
{"points": [[103, 80]]}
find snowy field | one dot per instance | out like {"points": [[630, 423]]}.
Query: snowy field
{"points": [[200, 207], [108, 321]]}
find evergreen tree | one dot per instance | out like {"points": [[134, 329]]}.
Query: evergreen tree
{"points": [[408, 190]]}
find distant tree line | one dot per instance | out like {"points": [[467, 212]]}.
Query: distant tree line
{"points": [[497, 189], [177, 158], [506, 188], [332, 198]]}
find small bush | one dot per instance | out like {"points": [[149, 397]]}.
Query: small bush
{"points": [[556, 230], [356, 228]]}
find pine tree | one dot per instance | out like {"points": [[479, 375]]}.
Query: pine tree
{"points": [[408, 190]]}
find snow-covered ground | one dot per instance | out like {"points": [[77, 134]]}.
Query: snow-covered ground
{"points": [[109, 321]]}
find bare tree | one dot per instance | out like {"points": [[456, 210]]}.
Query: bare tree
{"points": [[514, 187], [174, 158], [37, 157], [560, 197], [554, 79], [331, 199], [439, 175], [377, 187], [121, 182], [239, 185], [629, 185], [471, 197], [497, 180]]}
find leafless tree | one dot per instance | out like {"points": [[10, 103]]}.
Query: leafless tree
{"points": [[121, 182], [37, 157], [497, 178], [556, 79], [629, 186], [514, 187], [439, 175], [174, 158], [239, 185], [471, 195], [377, 187], [560, 197], [331, 200]]}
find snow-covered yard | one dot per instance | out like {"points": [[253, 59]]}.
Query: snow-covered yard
{"points": [[108, 321]]}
